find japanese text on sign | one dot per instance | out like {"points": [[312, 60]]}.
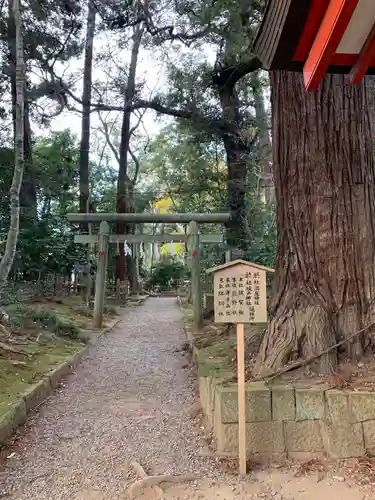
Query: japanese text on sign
{"points": [[240, 295]]}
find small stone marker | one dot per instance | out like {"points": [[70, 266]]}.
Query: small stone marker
{"points": [[240, 296]]}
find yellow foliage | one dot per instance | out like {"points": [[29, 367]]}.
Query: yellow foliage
{"points": [[163, 205], [179, 248]]}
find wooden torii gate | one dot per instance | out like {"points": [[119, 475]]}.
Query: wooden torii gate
{"points": [[104, 238]]}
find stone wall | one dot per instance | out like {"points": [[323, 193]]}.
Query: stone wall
{"points": [[297, 421]]}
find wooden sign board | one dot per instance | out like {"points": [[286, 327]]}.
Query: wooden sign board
{"points": [[240, 292], [240, 297]]}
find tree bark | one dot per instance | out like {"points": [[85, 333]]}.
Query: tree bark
{"points": [[266, 184], [324, 286], [11, 244], [237, 157], [123, 198], [27, 196], [86, 99]]}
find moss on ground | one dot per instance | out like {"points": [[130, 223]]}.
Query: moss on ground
{"points": [[214, 361], [47, 333], [15, 379], [216, 345]]}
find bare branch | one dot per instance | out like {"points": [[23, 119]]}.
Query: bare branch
{"points": [[107, 135], [137, 166], [140, 117]]}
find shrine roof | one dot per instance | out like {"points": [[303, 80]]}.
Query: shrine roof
{"points": [[237, 262], [318, 37]]}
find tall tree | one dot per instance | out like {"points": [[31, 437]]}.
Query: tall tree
{"points": [[51, 29], [124, 198], [206, 94], [27, 192], [86, 111], [324, 286], [264, 150], [11, 244], [229, 28]]}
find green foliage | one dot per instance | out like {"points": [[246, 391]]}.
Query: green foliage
{"points": [[262, 223], [167, 274], [45, 319], [186, 162], [191, 173], [194, 175]]}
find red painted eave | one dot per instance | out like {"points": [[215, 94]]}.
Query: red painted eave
{"points": [[365, 59], [317, 11], [331, 31]]}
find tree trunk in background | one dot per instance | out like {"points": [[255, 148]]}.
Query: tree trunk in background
{"points": [[324, 286], [28, 200], [86, 99], [131, 261], [11, 243], [237, 157], [123, 199], [266, 183], [27, 196]]}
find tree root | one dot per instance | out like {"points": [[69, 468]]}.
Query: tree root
{"points": [[142, 474], [16, 363], [12, 350], [4, 331], [298, 364], [153, 481]]}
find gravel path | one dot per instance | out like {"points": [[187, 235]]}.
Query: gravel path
{"points": [[129, 399]]}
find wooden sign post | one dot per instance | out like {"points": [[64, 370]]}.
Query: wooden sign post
{"points": [[240, 297]]}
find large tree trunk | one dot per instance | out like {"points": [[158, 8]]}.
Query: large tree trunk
{"points": [[324, 286], [123, 198], [266, 184], [11, 244], [237, 157], [86, 99]]}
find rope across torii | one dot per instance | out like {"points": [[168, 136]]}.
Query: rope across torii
{"points": [[318, 37], [104, 238]]}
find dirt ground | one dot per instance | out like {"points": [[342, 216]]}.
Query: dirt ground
{"points": [[131, 399]]}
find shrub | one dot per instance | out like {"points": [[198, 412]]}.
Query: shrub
{"points": [[45, 319], [167, 274]]}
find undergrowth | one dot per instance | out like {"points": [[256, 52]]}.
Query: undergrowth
{"points": [[47, 320]]}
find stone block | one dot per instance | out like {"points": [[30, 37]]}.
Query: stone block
{"points": [[210, 403], [341, 438], [283, 403], [369, 435], [337, 406], [309, 404], [261, 438], [203, 393], [303, 436], [6, 428], [344, 440], [258, 403], [362, 406], [208, 302], [58, 373], [37, 393], [15, 416]]}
